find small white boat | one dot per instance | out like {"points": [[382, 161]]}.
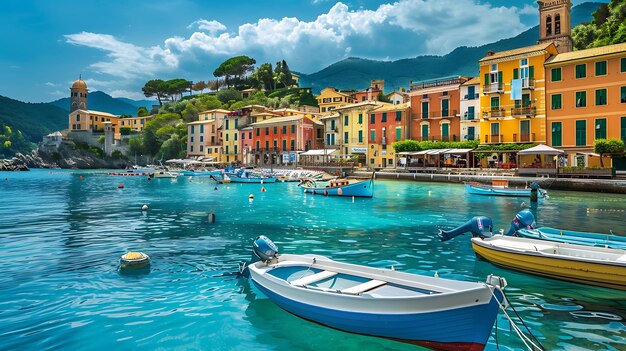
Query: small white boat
{"points": [[433, 312], [164, 174]]}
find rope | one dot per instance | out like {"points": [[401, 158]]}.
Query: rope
{"points": [[525, 339]]}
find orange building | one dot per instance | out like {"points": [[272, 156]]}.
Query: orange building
{"points": [[586, 98], [435, 106], [387, 124]]}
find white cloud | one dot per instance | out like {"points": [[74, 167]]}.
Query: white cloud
{"points": [[127, 94], [125, 60], [50, 84], [213, 27]]}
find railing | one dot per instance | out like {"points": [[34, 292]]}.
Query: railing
{"points": [[493, 88], [436, 83], [494, 138], [470, 137], [472, 97], [524, 138], [469, 116], [528, 83], [494, 114], [452, 137], [524, 111], [438, 114]]}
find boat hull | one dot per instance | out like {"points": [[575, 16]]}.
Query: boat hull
{"points": [[200, 173], [574, 269], [572, 237], [455, 320], [494, 191], [360, 189], [234, 179]]}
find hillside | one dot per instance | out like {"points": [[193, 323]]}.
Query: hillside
{"points": [[356, 73], [34, 120], [101, 101]]}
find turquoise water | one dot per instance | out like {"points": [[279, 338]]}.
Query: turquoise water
{"points": [[61, 238]]}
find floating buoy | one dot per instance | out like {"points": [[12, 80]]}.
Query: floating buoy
{"points": [[144, 208], [263, 189], [215, 188], [120, 186], [190, 178], [353, 199], [133, 259], [211, 217], [81, 177], [325, 192], [251, 196]]}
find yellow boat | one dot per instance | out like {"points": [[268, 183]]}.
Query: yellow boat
{"points": [[577, 263]]}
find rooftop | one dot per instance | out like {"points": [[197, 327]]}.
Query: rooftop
{"points": [[358, 104], [217, 110], [588, 53], [472, 81], [514, 52], [278, 120], [94, 112], [391, 107]]}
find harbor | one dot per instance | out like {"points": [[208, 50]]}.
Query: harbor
{"points": [[64, 286]]}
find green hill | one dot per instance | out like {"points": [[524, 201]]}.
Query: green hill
{"points": [[356, 73], [101, 101]]}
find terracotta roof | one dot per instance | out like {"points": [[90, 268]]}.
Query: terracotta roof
{"points": [[219, 110], [514, 52], [588, 53], [264, 113], [201, 122], [277, 120], [472, 81], [357, 105], [391, 107]]}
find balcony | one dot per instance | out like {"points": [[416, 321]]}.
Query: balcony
{"points": [[471, 97], [494, 138], [524, 138], [524, 112], [438, 114], [470, 116], [470, 137], [494, 114], [493, 88], [528, 83], [452, 137]]}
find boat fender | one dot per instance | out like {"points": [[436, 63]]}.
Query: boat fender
{"points": [[325, 192], [251, 196], [263, 189], [144, 208], [211, 218], [339, 191], [120, 186], [479, 226], [523, 219]]}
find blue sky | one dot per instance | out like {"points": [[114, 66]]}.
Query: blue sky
{"points": [[118, 45]]}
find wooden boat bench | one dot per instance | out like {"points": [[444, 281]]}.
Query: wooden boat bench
{"points": [[361, 288], [313, 278]]}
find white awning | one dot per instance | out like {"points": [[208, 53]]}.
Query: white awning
{"points": [[588, 154], [319, 152], [541, 150], [458, 151]]}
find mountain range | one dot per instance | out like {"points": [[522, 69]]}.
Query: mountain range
{"points": [[356, 73], [101, 101]]}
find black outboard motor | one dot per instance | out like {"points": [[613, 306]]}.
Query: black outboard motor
{"points": [[534, 189], [479, 226], [523, 219], [263, 249]]}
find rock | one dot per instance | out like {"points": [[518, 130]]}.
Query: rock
{"points": [[14, 164]]}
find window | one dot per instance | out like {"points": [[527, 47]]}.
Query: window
{"points": [[601, 68], [622, 95], [275, 129], [236, 136], [226, 148], [332, 125], [323, 109], [398, 134], [201, 139], [235, 149], [293, 128], [600, 97], [267, 145], [78, 118], [623, 65], [424, 109], [581, 133], [191, 148], [201, 148], [556, 101], [227, 124], [601, 128], [495, 103], [445, 107], [445, 130], [581, 71], [360, 118], [267, 130], [471, 92], [581, 99], [557, 24], [425, 132], [445, 93], [345, 120], [399, 115], [284, 129], [372, 118], [293, 144], [360, 136], [372, 135], [284, 144], [556, 74], [384, 117], [470, 113], [258, 132], [345, 137], [193, 129], [623, 128], [236, 125], [226, 137], [372, 161], [250, 135], [424, 96], [548, 26], [201, 128], [275, 144]]}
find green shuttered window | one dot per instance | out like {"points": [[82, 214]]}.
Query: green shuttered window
{"points": [[556, 101], [581, 71], [556, 74], [600, 97], [601, 68], [581, 133], [600, 128], [581, 99], [556, 134]]}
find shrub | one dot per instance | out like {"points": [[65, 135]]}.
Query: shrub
{"points": [[125, 131], [608, 146]]}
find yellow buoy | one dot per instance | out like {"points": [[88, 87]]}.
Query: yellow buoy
{"points": [[251, 196], [134, 259]]}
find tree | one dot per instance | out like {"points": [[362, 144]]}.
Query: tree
{"points": [[235, 67], [265, 75], [382, 97], [176, 87], [607, 27], [228, 94], [199, 86], [213, 85], [608, 146], [142, 112], [307, 98], [155, 87]]}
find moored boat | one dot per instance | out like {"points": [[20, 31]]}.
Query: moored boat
{"points": [[247, 176], [499, 187], [339, 187], [573, 237], [578, 263], [433, 312], [199, 173]]}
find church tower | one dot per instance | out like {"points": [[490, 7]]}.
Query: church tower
{"points": [[555, 24], [78, 95]]}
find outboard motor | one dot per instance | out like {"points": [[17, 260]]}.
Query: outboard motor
{"points": [[263, 249], [523, 219], [479, 226], [535, 191]]}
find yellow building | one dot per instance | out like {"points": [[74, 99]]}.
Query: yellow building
{"points": [[90, 120], [233, 121], [352, 129], [291, 112], [513, 103], [136, 124], [331, 98]]}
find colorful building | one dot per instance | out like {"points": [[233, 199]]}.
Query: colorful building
{"points": [[246, 144], [352, 129], [332, 130], [398, 97], [470, 110], [386, 124], [233, 121], [331, 98], [435, 105], [513, 108], [586, 94], [278, 140], [93, 121], [136, 124], [204, 136]]}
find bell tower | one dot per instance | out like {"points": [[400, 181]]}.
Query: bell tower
{"points": [[555, 23], [78, 95]]}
